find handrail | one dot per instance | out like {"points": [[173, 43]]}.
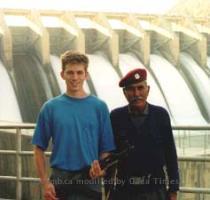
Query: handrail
{"points": [[180, 158], [32, 125], [191, 128], [17, 125], [19, 178], [195, 190]]}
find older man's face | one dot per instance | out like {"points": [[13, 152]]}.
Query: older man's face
{"points": [[137, 94]]}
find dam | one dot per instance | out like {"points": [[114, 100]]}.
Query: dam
{"points": [[174, 50]]}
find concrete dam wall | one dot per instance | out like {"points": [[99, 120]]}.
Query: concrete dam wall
{"points": [[175, 51]]}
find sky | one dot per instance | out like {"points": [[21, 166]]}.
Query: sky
{"points": [[128, 6]]}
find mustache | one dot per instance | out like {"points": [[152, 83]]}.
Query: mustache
{"points": [[136, 99]]}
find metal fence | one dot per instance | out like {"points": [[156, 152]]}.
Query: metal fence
{"points": [[19, 153]]}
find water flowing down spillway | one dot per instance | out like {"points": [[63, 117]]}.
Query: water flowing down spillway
{"points": [[167, 86], [8, 102], [105, 80], [182, 103], [128, 62], [208, 62], [33, 88], [56, 66], [198, 82]]}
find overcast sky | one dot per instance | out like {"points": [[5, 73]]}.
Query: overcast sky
{"points": [[137, 6]]}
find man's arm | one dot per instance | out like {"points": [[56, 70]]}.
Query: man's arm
{"points": [[40, 161], [95, 170]]}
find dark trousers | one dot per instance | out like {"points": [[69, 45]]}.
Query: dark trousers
{"points": [[126, 194], [73, 186]]}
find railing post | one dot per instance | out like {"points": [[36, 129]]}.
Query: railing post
{"points": [[205, 143], [183, 142], [19, 166]]}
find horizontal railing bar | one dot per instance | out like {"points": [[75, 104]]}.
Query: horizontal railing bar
{"points": [[21, 179], [195, 190], [30, 179], [194, 159], [8, 152], [8, 178], [17, 126], [182, 189], [191, 128], [13, 152], [31, 126], [180, 158], [6, 199]]}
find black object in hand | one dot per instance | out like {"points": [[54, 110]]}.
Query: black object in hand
{"points": [[113, 158], [110, 160]]}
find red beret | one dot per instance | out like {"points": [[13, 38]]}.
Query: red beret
{"points": [[134, 76]]}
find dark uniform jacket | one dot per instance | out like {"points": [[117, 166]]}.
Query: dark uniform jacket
{"points": [[154, 155]]}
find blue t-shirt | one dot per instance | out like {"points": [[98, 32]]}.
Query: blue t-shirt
{"points": [[80, 130]]}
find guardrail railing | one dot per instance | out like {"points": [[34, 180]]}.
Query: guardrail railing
{"points": [[19, 153]]}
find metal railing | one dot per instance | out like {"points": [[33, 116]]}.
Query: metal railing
{"points": [[18, 178], [19, 153]]}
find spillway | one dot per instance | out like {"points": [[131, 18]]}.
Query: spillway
{"points": [[208, 62], [182, 103], [105, 80], [33, 88], [198, 82], [10, 110]]}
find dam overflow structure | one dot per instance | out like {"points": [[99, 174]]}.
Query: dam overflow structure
{"points": [[175, 51]]}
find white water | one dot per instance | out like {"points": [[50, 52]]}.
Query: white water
{"points": [[56, 66], [208, 62], [179, 97], [199, 78], [105, 80], [128, 62], [8, 101]]}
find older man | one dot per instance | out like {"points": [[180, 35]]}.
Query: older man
{"points": [[150, 171]]}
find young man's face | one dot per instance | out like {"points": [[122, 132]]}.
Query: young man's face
{"points": [[137, 94], [74, 75]]}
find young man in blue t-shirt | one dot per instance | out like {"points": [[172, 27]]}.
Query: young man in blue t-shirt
{"points": [[79, 126]]}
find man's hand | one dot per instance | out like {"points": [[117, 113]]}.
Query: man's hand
{"points": [[49, 191], [172, 196], [95, 170], [40, 160]]}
